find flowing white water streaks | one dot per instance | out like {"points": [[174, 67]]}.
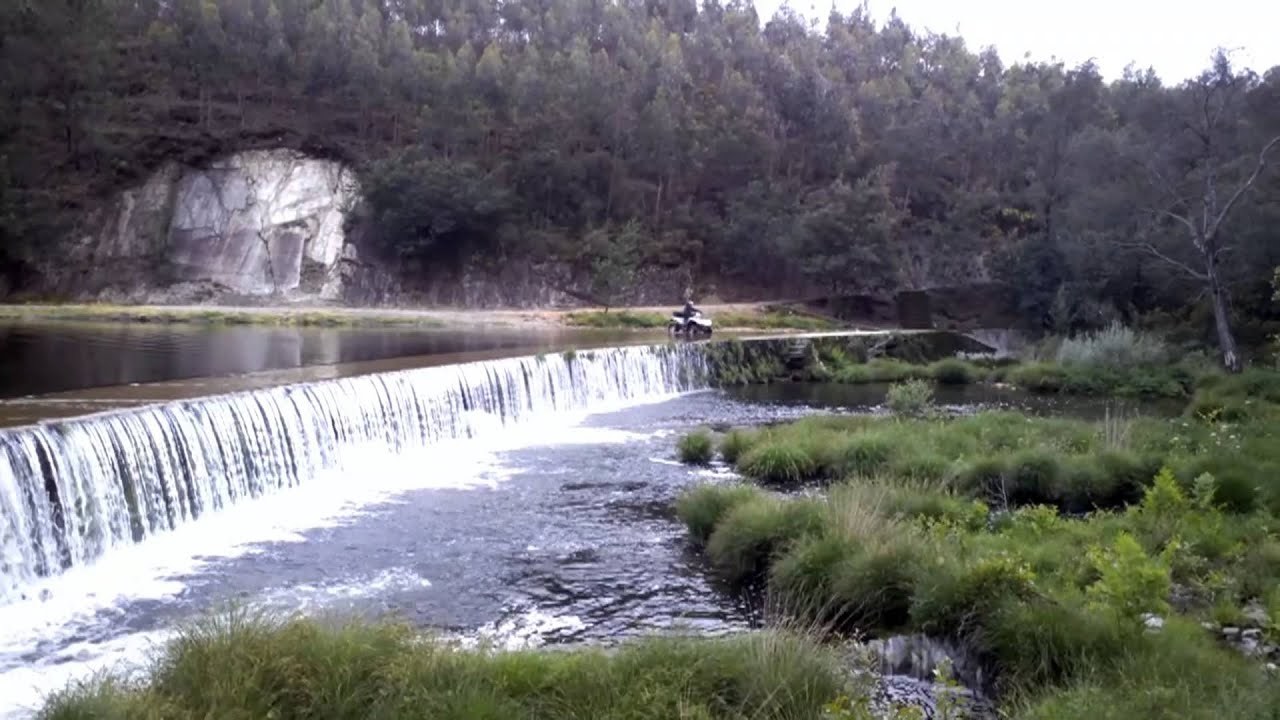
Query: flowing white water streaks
{"points": [[72, 490]]}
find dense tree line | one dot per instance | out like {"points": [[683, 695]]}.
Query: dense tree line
{"points": [[615, 135]]}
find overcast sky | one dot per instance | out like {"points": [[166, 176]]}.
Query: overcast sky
{"points": [[1176, 37]]}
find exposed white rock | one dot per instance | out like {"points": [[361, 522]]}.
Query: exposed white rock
{"points": [[251, 221], [268, 222]]}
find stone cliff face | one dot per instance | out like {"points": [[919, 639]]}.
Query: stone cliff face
{"points": [[256, 225]]}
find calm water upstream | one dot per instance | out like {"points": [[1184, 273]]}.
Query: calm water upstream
{"points": [[49, 357]]}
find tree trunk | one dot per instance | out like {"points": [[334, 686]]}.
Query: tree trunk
{"points": [[1222, 320]]}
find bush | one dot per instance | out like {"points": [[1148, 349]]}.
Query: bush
{"points": [[702, 507], [983, 477], [866, 454], [1038, 378], [734, 444], [301, 669], [1129, 582], [752, 533], [913, 398], [1033, 476], [778, 462], [696, 448], [1116, 347], [958, 599], [953, 371], [923, 466], [872, 588]]}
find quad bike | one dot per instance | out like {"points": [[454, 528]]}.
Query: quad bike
{"points": [[693, 326]]}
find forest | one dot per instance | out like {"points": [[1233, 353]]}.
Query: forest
{"points": [[777, 154]]}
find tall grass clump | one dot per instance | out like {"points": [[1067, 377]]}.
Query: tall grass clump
{"points": [[779, 462], [696, 448], [746, 541], [953, 371], [1116, 346], [734, 444], [912, 398], [304, 669], [702, 507]]}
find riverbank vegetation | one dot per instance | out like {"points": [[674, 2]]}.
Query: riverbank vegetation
{"points": [[1114, 569], [766, 318], [240, 666], [160, 315]]}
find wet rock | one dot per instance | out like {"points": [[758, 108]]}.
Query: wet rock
{"points": [[1231, 633], [1252, 634], [1257, 615], [908, 669], [1152, 622]]}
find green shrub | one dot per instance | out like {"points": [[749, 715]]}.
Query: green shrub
{"points": [[1033, 475], [702, 507], [696, 448], [924, 466], [953, 371], [1035, 643], [735, 443], [866, 454], [873, 587], [957, 598], [800, 582], [913, 398], [750, 535], [1116, 346], [1038, 378], [983, 477], [1130, 582], [778, 462]]}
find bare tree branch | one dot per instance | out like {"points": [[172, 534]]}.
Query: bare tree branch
{"points": [[1184, 220], [1155, 252], [1240, 191]]}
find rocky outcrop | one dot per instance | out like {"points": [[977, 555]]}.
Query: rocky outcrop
{"points": [[255, 224]]}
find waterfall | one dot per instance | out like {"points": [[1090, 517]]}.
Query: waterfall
{"points": [[71, 490]]}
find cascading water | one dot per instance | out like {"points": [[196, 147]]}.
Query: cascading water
{"points": [[72, 490]]}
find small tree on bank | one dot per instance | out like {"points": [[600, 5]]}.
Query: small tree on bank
{"points": [[1200, 166]]}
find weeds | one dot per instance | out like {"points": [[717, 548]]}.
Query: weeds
{"points": [[696, 448], [912, 398], [261, 668]]}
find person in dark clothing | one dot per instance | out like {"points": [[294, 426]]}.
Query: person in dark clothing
{"points": [[688, 311]]}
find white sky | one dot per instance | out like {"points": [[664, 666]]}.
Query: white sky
{"points": [[1176, 37]]}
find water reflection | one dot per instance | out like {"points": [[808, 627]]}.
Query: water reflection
{"points": [[38, 358]]}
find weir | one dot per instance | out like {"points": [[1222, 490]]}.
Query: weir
{"points": [[72, 490]]}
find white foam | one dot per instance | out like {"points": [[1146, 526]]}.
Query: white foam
{"points": [[86, 598]]}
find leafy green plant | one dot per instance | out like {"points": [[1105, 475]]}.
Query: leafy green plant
{"points": [[911, 398], [1130, 582]]}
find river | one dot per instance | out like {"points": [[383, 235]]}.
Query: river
{"points": [[521, 501]]}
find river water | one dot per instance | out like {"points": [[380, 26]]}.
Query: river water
{"points": [[48, 357]]}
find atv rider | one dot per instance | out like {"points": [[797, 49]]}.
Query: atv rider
{"points": [[689, 311]]}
